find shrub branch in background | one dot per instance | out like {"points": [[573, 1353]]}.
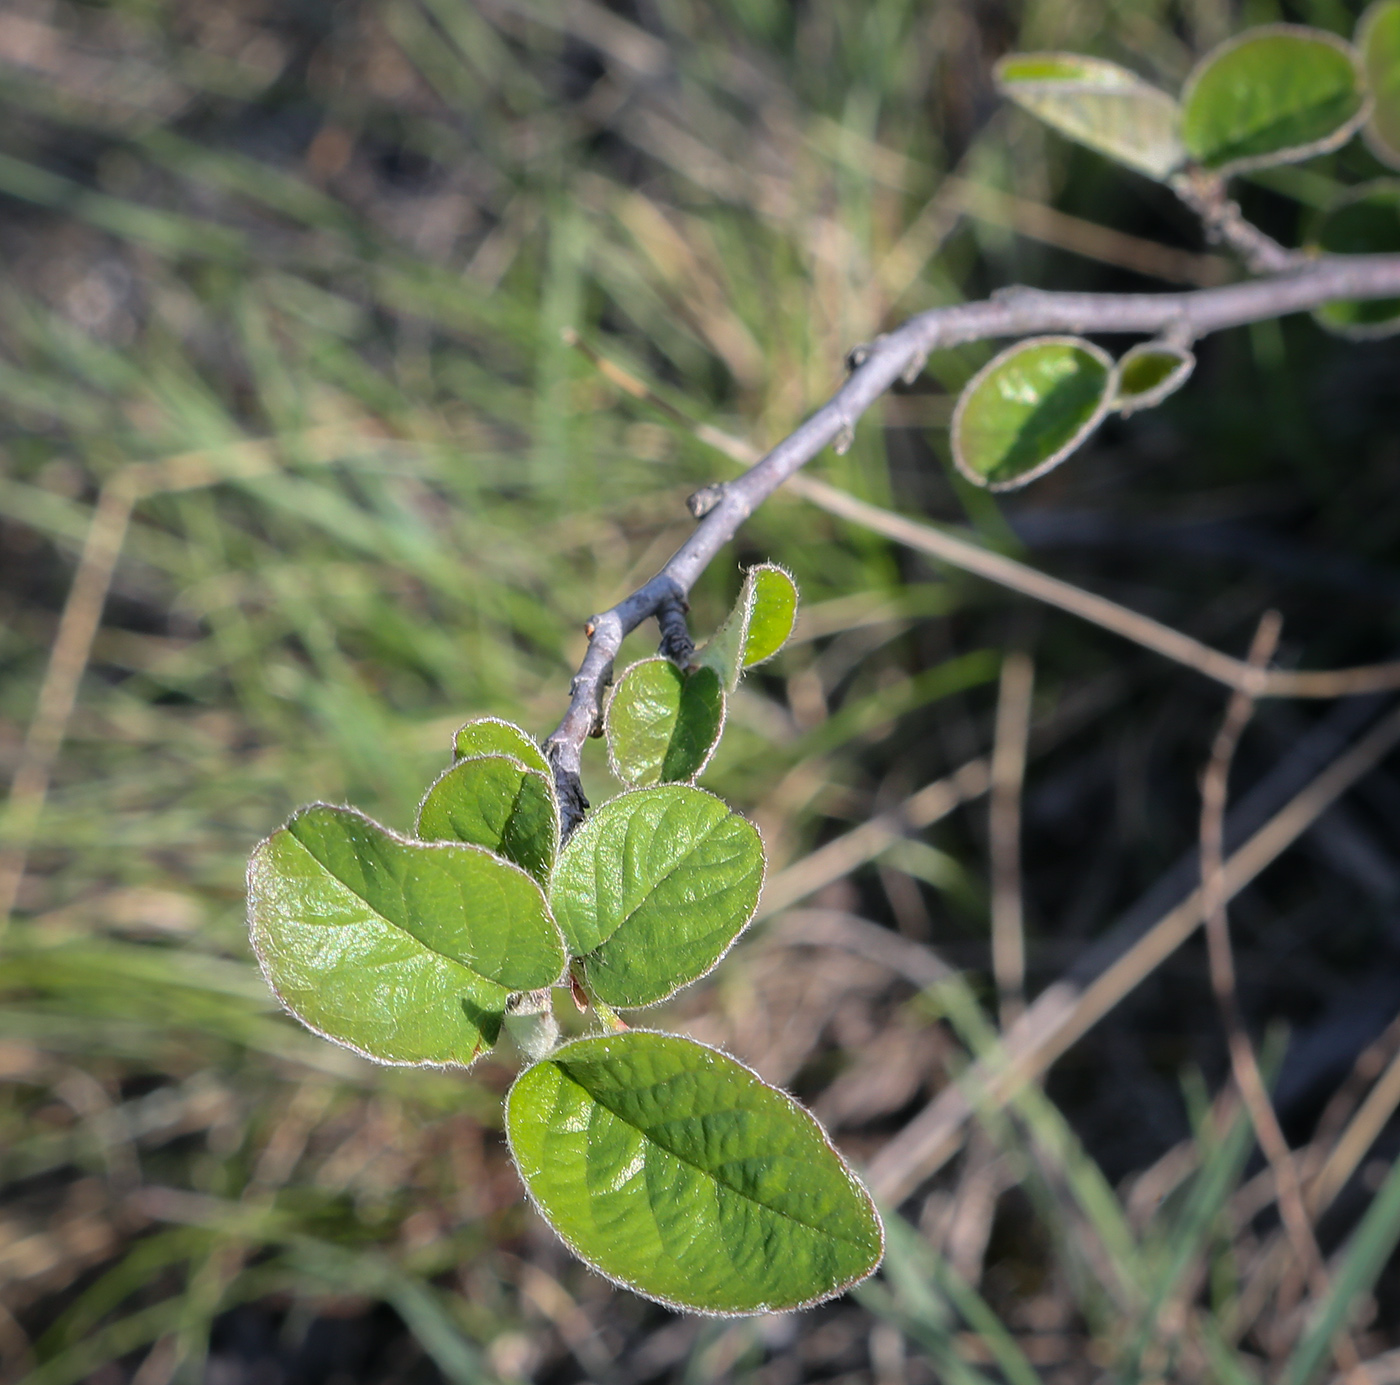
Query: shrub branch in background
{"points": [[669, 1166]]}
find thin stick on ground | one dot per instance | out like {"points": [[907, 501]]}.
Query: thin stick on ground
{"points": [[1064, 1012], [82, 615], [1244, 1063], [1013, 722]]}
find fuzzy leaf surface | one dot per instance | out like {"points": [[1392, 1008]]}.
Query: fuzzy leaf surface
{"points": [[663, 724], [1098, 104], [1149, 373], [405, 951], [653, 889], [1378, 39], [1028, 408], [496, 802], [772, 612], [1273, 95], [1365, 220], [492, 736], [675, 1170]]}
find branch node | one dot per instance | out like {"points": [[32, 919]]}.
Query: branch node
{"points": [[915, 368], [676, 644], [857, 356], [845, 436], [701, 502]]}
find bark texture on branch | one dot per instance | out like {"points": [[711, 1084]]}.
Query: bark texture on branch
{"points": [[1013, 312]]}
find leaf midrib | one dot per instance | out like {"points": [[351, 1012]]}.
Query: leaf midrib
{"points": [[655, 884], [408, 933], [700, 1168]]}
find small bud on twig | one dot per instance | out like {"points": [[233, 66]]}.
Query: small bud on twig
{"points": [[705, 499]]}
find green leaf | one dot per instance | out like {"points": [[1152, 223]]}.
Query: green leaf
{"points": [[1148, 373], [756, 628], [675, 1170], [772, 612], [1028, 408], [1378, 39], [496, 802], [404, 951], [1272, 95], [492, 736], [1099, 104], [662, 724], [653, 889], [1365, 220]]}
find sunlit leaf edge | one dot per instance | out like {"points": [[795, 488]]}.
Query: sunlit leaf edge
{"points": [[1380, 147], [1294, 153], [855, 1180], [543, 766], [1126, 83], [615, 769], [251, 885], [529, 769], [796, 612], [1373, 331], [1077, 441], [739, 932], [1126, 405]]}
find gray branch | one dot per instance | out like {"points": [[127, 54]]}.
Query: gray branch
{"points": [[1014, 312]]}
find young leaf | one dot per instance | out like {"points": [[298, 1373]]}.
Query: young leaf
{"points": [[1272, 95], [1028, 408], [1364, 220], [496, 802], [772, 612], [663, 724], [404, 951], [1378, 40], [492, 736], [1148, 373], [756, 628], [653, 889], [1099, 104], [675, 1170]]}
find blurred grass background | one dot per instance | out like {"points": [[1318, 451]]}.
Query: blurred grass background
{"points": [[308, 264]]}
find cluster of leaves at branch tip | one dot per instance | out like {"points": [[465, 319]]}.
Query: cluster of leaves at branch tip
{"points": [[1271, 95], [667, 1166]]}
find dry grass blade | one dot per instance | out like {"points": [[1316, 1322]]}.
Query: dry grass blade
{"points": [[1244, 1063], [1108, 615], [1013, 722], [1362, 1132], [1064, 1012], [1038, 222], [82, 615]]}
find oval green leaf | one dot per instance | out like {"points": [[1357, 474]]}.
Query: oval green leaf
{"points": [[1148, 373], [678, 1172], [654, 888], [772, 611], [492, 736], [1027, 409], [1098, 104], [404, 951], [662, 724], [496, 802], [1365, 220], [1378, 40], [1272, 95]]}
